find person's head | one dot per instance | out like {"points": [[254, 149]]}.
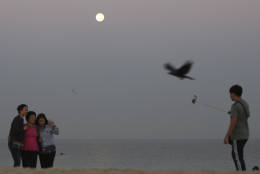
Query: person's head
{"points": [[22, 109], [236, 92], [41, 120], [31, 117]]}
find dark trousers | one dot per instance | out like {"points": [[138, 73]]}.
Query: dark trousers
{"points": [[16, 154], [29, 159], [47, 159], [238, 153]]}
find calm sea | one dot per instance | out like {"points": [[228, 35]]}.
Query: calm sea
{"points": [[145, 154]]}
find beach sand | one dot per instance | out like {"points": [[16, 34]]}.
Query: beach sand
{"points": [[4, 170]]}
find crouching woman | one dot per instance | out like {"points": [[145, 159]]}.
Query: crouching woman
{"points": [[47, 130]]}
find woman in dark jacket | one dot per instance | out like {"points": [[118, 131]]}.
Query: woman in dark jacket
{"points": [[16, 135]]}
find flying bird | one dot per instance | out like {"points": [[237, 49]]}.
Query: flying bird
{"points": [[74, 92], [180, 72]]}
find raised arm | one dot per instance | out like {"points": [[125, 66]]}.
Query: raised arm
{"points": [[55, 129]]}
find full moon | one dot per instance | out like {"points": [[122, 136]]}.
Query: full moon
{"points": [[100, 17]]}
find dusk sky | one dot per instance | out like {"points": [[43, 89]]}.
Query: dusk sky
{"points": [[106, 80]]}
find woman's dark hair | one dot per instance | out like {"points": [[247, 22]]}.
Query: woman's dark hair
{"points": [[29, 114], [20, 107], [237, 90], [41, 116]]}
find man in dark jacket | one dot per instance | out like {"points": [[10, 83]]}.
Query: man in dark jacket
{"points": [[16, 135]]}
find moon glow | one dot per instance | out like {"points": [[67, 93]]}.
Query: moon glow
{"points": [[100, 17]]}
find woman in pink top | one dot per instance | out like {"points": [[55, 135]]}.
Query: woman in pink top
{"points": [[31, 147]]}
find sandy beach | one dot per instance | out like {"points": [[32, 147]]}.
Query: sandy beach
{"points": [[4, 170]]}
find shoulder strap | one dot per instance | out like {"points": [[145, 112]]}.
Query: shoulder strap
{"points": [[244, 108]]}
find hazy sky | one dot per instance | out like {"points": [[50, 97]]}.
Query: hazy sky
{"points": [[49, 47]]}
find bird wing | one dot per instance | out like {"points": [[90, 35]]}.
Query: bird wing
{"points": [[185, 68], [74, 91], [169, 67]]}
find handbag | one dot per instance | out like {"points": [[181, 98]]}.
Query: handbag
{"points": [[48, 149], [17, 145]]}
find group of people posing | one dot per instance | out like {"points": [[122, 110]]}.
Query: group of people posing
{"points": [[27, 141], [35, 138]]}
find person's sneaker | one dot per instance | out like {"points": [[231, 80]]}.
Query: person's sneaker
{"points": [[256, 168]]}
